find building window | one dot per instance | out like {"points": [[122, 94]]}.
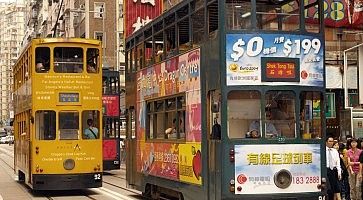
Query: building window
{"points": [[101, 37], [99, 10]]}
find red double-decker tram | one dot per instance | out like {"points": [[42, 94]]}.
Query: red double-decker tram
{"points": [[111, 119]]}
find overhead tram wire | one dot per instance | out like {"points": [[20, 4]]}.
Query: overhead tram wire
{"points": [[56, 22]]}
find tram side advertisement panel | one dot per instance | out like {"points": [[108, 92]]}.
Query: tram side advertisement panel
{"points": [[274, 59], [178, 161], [300, 161]]}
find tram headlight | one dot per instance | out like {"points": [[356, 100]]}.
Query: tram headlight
{"points": [[69, 164], [231, 155]]}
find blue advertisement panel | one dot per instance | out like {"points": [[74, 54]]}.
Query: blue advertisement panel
{"points": [[274, 59], [277, 168]]}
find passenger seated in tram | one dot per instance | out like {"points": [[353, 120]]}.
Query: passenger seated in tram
{"points": [[254, 129], [91, 67], [40, 66], [91, 132]]}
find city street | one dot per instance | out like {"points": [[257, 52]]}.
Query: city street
{"points": [[114, 184]]}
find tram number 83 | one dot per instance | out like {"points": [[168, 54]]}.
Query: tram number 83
{"points": [[97, 176]]}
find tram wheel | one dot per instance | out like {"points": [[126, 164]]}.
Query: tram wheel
{"points": [[147, 192], [21, 176], [180, 196], [155, 193]]}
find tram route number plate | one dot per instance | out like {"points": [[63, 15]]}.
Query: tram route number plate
{"points": [[68, 97]]}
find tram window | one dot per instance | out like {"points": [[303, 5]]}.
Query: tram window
{"points": [[42, 59], [148, 52], [166, 118], [213, 18], [110, 127], [93, 64], [68, 60], [170, 42], [45, 125], [238, 15], [140, 59], [68, 122], [105, 85], [310, 115], [183, 30], [280, 114], [159, 52], [91, 124], [244, 114], [281, 17], [312, 16], [198, 26]]}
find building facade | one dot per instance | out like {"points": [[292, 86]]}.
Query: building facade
{"points": [[12, 28]]}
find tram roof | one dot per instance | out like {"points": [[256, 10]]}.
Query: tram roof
{"points": [[67, 40]]}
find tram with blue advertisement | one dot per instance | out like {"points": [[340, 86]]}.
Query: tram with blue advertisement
{"points": [[225, 100]]}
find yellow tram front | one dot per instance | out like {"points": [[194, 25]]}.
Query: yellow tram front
{"points": [[58, 105]]}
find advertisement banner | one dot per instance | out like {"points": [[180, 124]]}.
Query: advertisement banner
{"points": [[274, 59], [190, 163], [111, 105], [300, 161], [160, 160], [109, 149]]}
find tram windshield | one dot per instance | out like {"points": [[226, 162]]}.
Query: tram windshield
{"points": [[245, 115]]}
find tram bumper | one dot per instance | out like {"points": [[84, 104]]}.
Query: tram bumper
{"points": [[66, 181]]}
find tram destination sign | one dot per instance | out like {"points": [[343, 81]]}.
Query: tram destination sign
{"points": [[280, 69], [68, 97]]}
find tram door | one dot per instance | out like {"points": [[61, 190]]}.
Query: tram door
{"points": [[214, 145], [131, 168]]}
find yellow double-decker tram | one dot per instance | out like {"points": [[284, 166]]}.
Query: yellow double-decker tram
{"points": [[58, 114]]}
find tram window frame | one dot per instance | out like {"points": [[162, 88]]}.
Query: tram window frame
{"points": [[308, 117], [184, 41], [160, 52], [68, 125], [110, 127], [169, 34], [162, 116], [243, 109], [212, 12], [281, 104], [140, 59], [69, 63], [198, 26], [272, 16], [149, 51], [45, 125], [95, 116], [110, 85], [312, 7], [234, 11], [42, 59], [93, 60]]}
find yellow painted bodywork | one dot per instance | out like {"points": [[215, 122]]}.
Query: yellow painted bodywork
{"points": [[40, 91]]}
